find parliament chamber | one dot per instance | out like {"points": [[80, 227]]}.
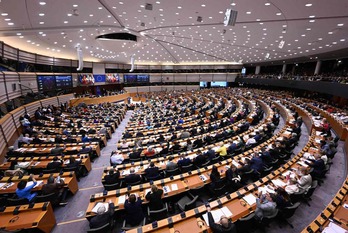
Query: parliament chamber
{"points": [[173, 116]]}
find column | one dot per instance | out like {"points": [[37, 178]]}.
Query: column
{"points": [[317, 68], [257, 69], [284, 69]]}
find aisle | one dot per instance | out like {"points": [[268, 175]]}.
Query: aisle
{"points": [[71, 217]]}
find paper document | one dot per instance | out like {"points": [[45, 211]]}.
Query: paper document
{"points": [[166, 189], [203, 177], [174, 187], [333, 228], [31, 182], [99, 204], [121, 199], [278, 182], [2, 184], [224, 211], [250, 199]]}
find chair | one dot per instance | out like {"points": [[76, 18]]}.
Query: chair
{"points": [[126, 227], [307, 195], [102, 229], [187, 202], [215, 160], [157, 177], [135, 183], [186, 168], [246, 224], [173, 172], [134, 160], [16, 201], [155, 215], [52, 197], [204, 164], [288, 212], [49, 171], [109, 187]]}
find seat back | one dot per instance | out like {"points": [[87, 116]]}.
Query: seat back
{"points": [[102, 229], [310, 191], [45, 198], [158, 214], [192, 204], [186, 168], [172, 172], [16, 201], [109, 187], [288, 212]]}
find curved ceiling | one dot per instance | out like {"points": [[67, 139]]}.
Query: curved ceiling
{"points": [[177, 32]]}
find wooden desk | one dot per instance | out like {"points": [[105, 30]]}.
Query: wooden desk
{"points": [[40, 216]]}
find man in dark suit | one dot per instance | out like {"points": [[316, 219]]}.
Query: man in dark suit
{"points": [[152, 171], [57, 150], [155, 198], [112, 177], [183, 161], [135, 154], [55, 164], [103, 216], [200, 159], [132, 177]]}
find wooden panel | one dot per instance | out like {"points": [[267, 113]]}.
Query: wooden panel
{"points": [[29, 80], [180, 77]]}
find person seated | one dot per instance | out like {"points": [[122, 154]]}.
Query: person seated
{"points": [[318, 166], [103, 216], [152, 171], [139, 134], [256, 163], [135, 154], [116, 158], [304, 180], [24, 191], [36, 140], [171, 165], [112, 177], [183, 161], [291, 186], [149, 152], [265, 206], [154, 197], [74, 163], [233, 178], [55, 164], [165, 150], [134, 211], [124, 144], [132, 177], [258, 136], [232, 147], [175, 147], [251, 140], [210, 154], [222, 150], [55, 186], [58, 139], [127, 135], [85, 138], [215, 177], [200, 159], [57, 150], [26, 139], [85, 149], [224, 225], [197, 143]]}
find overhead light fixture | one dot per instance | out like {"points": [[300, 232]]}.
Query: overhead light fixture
{"points": [[199, 19], [230, 17], [281, 44]]}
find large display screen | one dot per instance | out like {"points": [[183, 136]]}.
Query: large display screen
{"points": [[218, 84], [64, 81], [130, 78], [46, 83], [202, 84], [113, 78], [143, 78]]}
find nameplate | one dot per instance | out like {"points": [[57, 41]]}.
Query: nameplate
{"points": [[197, 214], [170, 222], [219, 203]]}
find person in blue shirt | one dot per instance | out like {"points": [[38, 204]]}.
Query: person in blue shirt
{"points": [[85, 138], [25, 192]]}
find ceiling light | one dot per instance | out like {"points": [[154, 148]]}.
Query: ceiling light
{"points": [[41, 14], [330, 33], [267, 4], [10, 24], [312, 21], [340, 25], [100, 8], [342, 40], [308, 29], [75, 5], [69, 14], [4, 14], [203, 5], [312, 16], [248, 12], [7, 19], [279, 13], [18, 34], [309, 4], [91, 15], [66, 22], [42, 3]]}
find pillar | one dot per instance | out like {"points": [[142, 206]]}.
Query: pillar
{"points": [[317, 68], [257, 69], [284, 69]]}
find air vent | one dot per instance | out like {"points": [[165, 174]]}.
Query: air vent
{"points": [[148, 7]]}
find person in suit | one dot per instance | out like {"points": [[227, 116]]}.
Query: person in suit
{"points": [[256, 163], [233, 178], [135, 154], [215, 177], [103, 216], [57, 150], [57, 187], [134, 211], [225, 224], [112, 177], [55, 164], [84, 149], [152, 171], [132, 177], [154, 197], [200, 159], [183, 161], [318, 166]]}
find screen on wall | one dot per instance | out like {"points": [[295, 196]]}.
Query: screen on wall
{"points": [[218, 84], [64, 81], [203, 84], [130, 78], [46, 83], [143, 78]]}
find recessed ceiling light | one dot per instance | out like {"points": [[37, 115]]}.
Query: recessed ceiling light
{"points": [[312, 21], [91, 15], [41, 14], [312, 16], [342, 40], [7, 19], [42, 23], [42, 3], [100, 8], [18, 34], [120, 3], [248, 12], [66, 22], [308, 29], [203, 5], [340, 25], [69, 14], [4, 14], [320, 38], [279, 13], [10, 24], [309, 4], [75, 5], [158, 2], [85, 21]]}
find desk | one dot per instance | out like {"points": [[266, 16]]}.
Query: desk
{"points": [[40, 216]]}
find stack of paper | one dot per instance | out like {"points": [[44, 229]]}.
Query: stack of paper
{"points": [[266, 189], [174, 187], [166, 189], [31, 183], [202, 177], [250, 199], [99, 204], [121, 199], [224, 211], [278, 182], [334, 228], [2, 184]]}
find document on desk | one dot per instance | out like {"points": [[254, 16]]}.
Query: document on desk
{"points": [[278, 182], [333, 228], [100, 204], [125, 172], [37, 184], [2, 184], [235, 163], [302, 164], [174, 187], [250, 199], [121, 199], [203, 177], [224, 211], [32, 149]]}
